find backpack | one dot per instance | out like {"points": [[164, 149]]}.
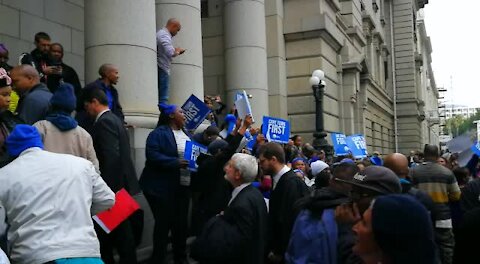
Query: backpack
{"points": [[313, 240]]}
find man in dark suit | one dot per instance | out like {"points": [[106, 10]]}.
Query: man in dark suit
{"points": [[111, 144], [287, 189], [239, 234], [108, 78]]}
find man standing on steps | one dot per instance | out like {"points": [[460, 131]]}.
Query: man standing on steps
{"points": [[165, 53]]}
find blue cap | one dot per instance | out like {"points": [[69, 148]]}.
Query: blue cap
{"points": [[23, 137]]}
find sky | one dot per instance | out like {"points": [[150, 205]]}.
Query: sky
{"points": [[453, 29]]}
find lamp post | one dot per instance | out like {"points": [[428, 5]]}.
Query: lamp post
{"points": [[317, 81]]}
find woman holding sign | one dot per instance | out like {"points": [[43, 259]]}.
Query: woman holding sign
{"points": [[165, 181]]}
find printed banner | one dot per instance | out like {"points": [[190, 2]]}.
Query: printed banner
{"points": [[276, 129], [192, 151], [357, 145], [340, 147], [195, 112]]}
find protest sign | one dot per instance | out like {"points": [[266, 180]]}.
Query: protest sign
{"points": [[195, 112], [276, 129], [192, 151], [357, 145], [340, 147], [243, 106]]}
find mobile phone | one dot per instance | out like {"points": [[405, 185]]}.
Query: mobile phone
{"points": [[183, 51]]}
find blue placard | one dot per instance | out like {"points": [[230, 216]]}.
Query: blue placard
{"points": [[192, 151], [357, 145], [476, 148], [276, 129], [251, 140], [340, 147], [195, 112]]}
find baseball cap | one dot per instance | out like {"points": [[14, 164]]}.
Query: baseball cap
{"points": [[376, 178]]}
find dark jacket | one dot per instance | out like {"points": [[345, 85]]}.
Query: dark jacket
{"points": [[289, 189], [422, 197], [34, 105], [37, 59], [237, 236], [111, 143], [84, 120], [209, 181], [161, 174], [327, 198], [470, 198], [8, 121], [69, 75]]}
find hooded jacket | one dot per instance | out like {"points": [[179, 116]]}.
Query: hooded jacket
{"points": [[328, 198], [76, 141]]}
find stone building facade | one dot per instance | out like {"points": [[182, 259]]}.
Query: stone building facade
{"points": [[267, 47]]}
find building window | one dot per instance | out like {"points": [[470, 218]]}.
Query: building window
{"points": [[204, 8]]}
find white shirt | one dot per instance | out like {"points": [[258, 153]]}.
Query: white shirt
{"points": [[237, 190], [276, 177], [181, 138], [100, 114], [165, 49]]}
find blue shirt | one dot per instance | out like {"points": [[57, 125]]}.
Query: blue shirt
{"points": [[108, 92]]}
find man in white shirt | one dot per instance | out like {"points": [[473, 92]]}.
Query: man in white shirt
{"points": [[165, 52], [49, 199]]}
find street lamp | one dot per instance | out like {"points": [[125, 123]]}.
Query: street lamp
{"points": [[317, 81]]}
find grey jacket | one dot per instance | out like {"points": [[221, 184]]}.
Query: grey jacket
{"points": [[33, 106]]}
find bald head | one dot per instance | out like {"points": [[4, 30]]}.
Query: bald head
{"points": [[173, 26], [398, 163], [26, 70], [109, 73], [24, 77]]}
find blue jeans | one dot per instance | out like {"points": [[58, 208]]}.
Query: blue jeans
{"points": [[163, 79], [78, 261]]}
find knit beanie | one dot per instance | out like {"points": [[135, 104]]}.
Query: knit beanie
{"points": [[64, 98], [403, 229], [166, 108], [23, 137], [318, 166]]}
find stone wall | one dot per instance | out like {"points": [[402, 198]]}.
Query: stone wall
{"points": [[63, 20]]}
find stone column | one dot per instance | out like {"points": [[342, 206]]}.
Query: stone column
{"points": [[186, 73], [245, 53], [128, 41], [276, 62], [123, 33]]}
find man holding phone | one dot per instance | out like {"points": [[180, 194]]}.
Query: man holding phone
{"points": [[165, 52]]}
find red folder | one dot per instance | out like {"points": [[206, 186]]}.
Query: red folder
{"points": [[124, 206]]}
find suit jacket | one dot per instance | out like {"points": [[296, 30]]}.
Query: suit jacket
{"points": [[289, 189], [237, 236], [112, 146], [84, 120]]}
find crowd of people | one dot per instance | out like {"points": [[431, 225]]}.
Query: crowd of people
{"points": [[65, 152]]}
